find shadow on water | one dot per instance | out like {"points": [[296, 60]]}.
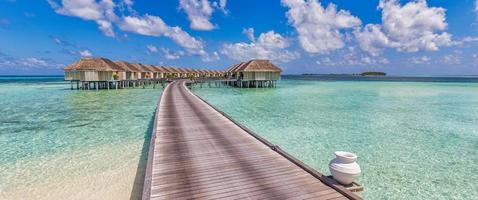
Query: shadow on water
{"points": [[137, 191]]}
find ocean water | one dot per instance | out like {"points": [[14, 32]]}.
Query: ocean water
{"points": [[57, 143], [415, 140]]}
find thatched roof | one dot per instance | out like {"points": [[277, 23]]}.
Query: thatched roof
{"points": [[182, 70], [94, 64], [233, 67], [166, 69], [190, 70], [196, 71], [161, 69], [257, 66], [173, 70], [143, 67], [151, 68], [127, 66]]}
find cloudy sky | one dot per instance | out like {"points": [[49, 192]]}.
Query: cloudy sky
{"points": [[419, 37]]}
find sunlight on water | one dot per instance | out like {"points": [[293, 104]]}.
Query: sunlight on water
{"points": [[414, 140], [63, 144]]}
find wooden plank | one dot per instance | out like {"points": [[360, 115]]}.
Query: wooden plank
{"points": [[199, 153]]}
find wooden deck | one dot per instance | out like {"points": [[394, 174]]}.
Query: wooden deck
{"points": [[197, 152]]}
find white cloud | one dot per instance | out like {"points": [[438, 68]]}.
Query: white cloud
{"points": [[420, 60], [269, 45], [25, 63], [412, 27], [474, 60], [451, 59], [372, 39], [222, 6], [85, 53], [33, 62], [71, 48], [326, 61], [352, 57], [101, 12], [199, 12], [151, 48], [319, 28], [210, 58], [171, 55], [154, 26], [476, 7], [469, 39], [365, 60], [249, 32]]}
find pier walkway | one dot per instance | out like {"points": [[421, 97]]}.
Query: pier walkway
{"points": [[196, 152]]}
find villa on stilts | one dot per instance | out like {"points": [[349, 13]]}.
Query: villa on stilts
{"points": [[102, 73], [254, 73], [94, 73]]}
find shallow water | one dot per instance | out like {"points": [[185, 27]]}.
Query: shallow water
{"points": [[415, 140], [62, 144]]}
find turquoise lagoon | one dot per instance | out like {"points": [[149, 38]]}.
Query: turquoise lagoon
{"points": [[62, 144], [415, 140]]}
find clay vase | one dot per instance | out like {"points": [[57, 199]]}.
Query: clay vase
{"points": [[343, 167]]}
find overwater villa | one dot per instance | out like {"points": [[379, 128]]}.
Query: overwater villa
{"points": [[254, 73], [102, 73], [162, 72], [145, 72], [130, 71], [150, 69], [167, 72], [174, 72], [191, 73], [182, 72], [93, 72], [91, 69], [157, 73]]}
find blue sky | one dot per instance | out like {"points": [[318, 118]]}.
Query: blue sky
{"points": [[419, 37]]}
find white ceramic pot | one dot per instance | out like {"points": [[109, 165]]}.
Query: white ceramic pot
{"points": [[343, 167]]}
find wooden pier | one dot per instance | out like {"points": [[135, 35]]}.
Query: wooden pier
{"points": [[198, 152]]}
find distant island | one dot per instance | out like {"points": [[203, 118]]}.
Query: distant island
{"points": [[373, 74], [361, 74]]}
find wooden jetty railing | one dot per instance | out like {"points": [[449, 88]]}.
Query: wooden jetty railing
{"points": [[199, 152]]}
